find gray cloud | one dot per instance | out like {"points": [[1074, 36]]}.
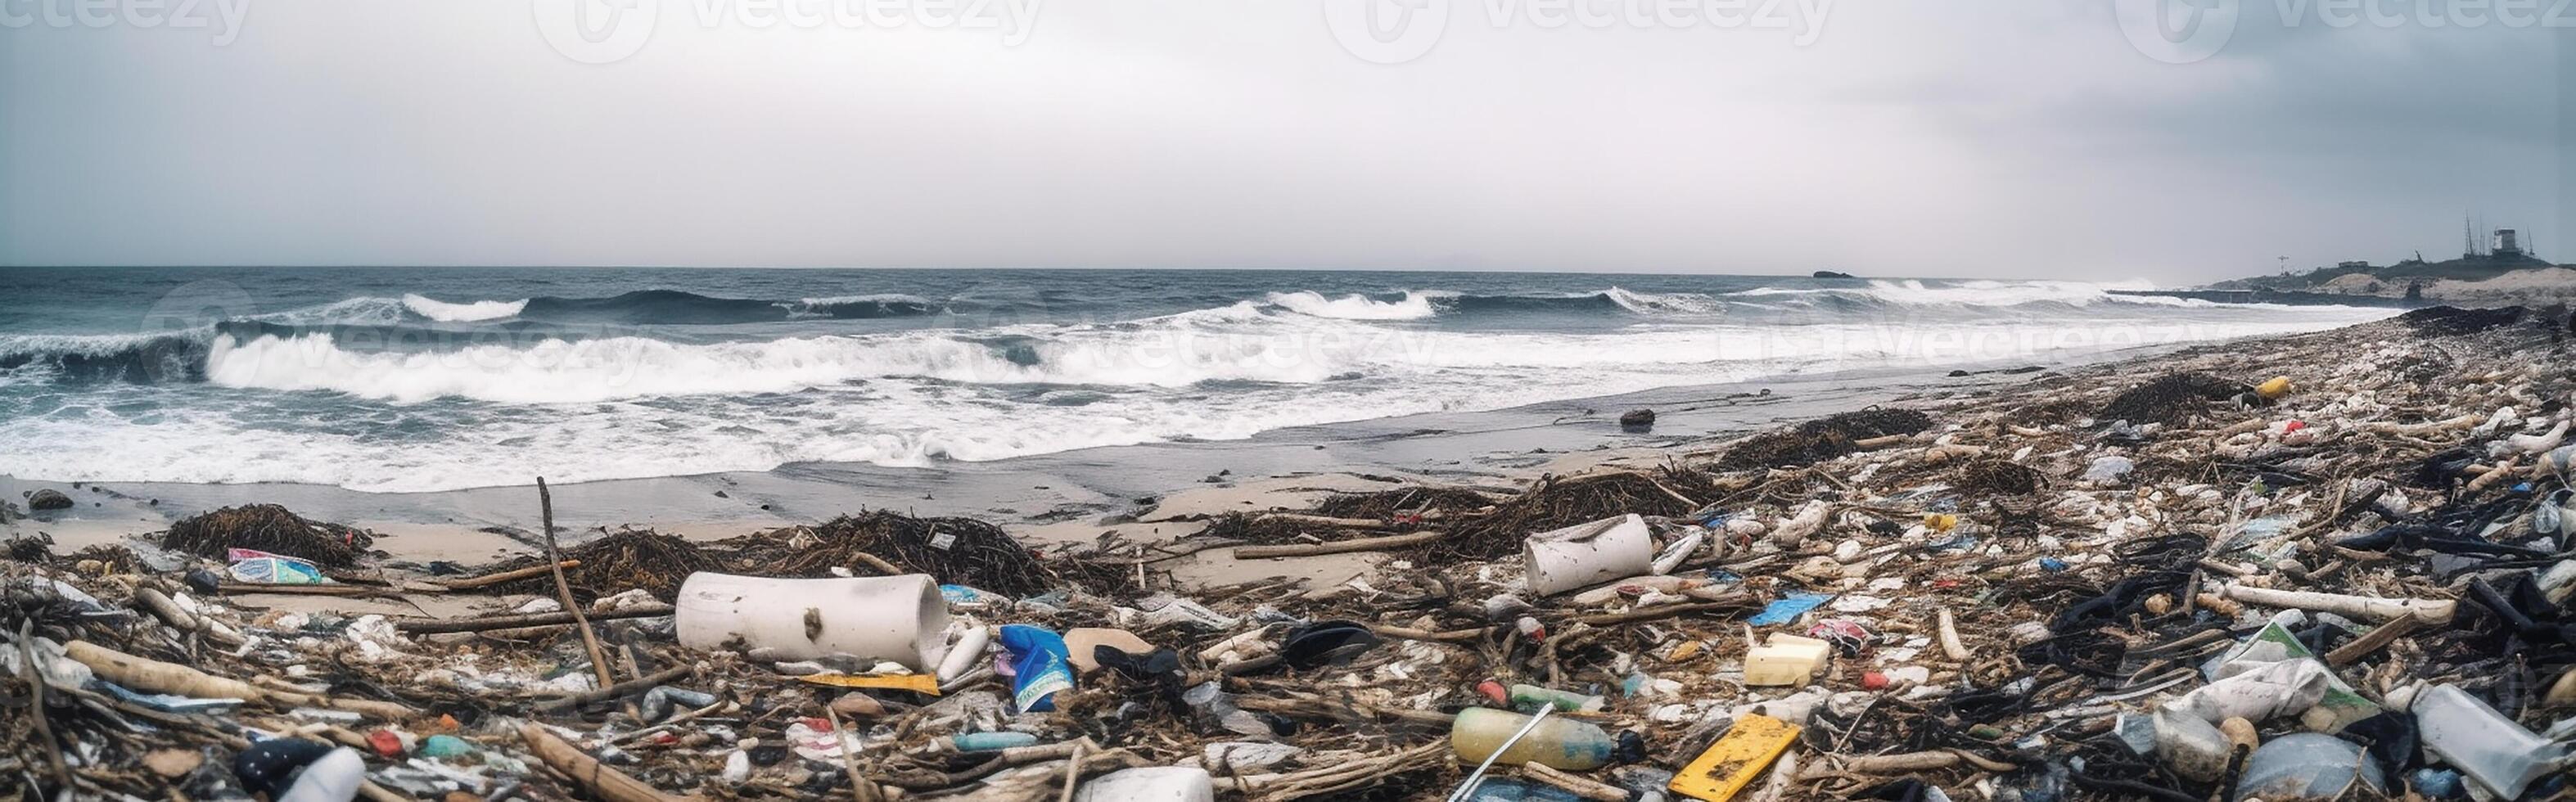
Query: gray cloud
{"points": [[2001, 139]]}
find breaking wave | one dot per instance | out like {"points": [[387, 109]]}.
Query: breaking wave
{"points": [[462, 313]]}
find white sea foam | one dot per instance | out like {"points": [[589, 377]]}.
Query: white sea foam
{"points": [[1415, 305], [620, 407], [464, 312]]}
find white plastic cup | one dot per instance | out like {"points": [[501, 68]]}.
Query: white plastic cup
{"points": [[897, 618]]}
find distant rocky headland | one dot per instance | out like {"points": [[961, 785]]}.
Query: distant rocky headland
{"points": [[2503, 273]]}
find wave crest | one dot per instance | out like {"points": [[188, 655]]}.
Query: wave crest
{"points": [[1415, 305], [462, 313]]}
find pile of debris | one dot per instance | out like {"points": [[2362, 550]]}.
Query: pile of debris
{"points": [[2281, 572]]}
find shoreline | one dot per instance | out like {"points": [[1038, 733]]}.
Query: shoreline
{"points": [[1063, 495], [1947, 542]]}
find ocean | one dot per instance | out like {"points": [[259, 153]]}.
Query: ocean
{"points": [[413, 379]]}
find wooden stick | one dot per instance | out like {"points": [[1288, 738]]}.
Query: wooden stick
{"points": [[861, 790], [607, 783], [161, 605], [643, 683], [2373, 641], [1073, 774], [431, 626], [1588, 789], [878, 563], [512, 575], [155, 676], [563, 590], [36, 683], [1335, 547]]}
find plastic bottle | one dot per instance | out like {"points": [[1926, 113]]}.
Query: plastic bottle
{"points": [[1556, 743], [2306, 765], [990, 741], [334, 778], [1529, 697], [2491, 749]]}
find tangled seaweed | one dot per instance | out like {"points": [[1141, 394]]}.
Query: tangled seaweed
{"points": [[270, 528], [2452, 320], [633, 558], [962, 551], [1999, 477], [1821, 439], [2170, 398], [1556, 503], [1390, 503]]}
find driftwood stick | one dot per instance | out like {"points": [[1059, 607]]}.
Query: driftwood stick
{"points": [[607, 783], [144, 674], [1451, 636], [161, 605], [36, 683], [431, 626], [512, 575], [879, 563], [1335, 547], [1586, 788], [563, 590], [2373, 641], [643, 683], [861, 789]]}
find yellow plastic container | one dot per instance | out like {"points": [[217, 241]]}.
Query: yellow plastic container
{"points": [[2277, 387], [1735, 760]]}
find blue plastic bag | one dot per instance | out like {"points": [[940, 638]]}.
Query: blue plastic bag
{"points": [[1039, 664]]}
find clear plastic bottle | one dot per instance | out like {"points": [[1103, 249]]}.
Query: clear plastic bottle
{"points": [[1556, 743]]}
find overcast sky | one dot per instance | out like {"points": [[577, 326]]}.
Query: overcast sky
{"points": [[2005, 139]]}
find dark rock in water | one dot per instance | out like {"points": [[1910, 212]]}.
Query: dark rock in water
{"points": [[48, 499], [1639, 419], [722, 494], [1832, 274]]}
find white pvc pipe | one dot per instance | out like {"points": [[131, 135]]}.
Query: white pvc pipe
{"points": [[1587, 554], [897, 618]]}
